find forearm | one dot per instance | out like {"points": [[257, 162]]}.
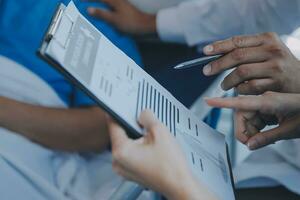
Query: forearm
{"points": [[202, 21], [278, 16], [189, 189], [208, 20], [62, 129]]}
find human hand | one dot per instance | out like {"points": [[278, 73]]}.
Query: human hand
{"points": [[261, 63], [253, 113], [155, 160], [125, 17]]}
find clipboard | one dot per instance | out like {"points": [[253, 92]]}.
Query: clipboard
{"points": [[132, 132], [42, 53]]}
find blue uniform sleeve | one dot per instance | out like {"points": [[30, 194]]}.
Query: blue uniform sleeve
{"points": [[80, 99], [20, 45]]}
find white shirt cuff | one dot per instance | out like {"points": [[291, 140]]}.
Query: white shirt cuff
{"points": [[168, 27]]}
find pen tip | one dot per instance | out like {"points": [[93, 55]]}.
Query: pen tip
{"points": [[177, 67]]}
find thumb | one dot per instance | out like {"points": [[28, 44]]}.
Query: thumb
{"points": [[152, 125], [118, 136], [287, 130], [147, 119]]}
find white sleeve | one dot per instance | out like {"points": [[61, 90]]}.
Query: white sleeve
{"points": [[293, 42], [168, 26], [200, 21]]}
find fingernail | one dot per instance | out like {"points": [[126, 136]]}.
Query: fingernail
{"points": [[223, 86], [206, 99], [91, 10], [207, 70], [252, 145], [208, 49]]}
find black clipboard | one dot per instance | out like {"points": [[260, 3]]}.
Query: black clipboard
{"points": [[132, 132]]}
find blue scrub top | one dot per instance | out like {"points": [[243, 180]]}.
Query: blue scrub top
{"points": [[22, 26]]}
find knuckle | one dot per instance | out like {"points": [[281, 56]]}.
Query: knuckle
{"points": [[256, 88], [242, 71], [257, 37], [218, 46], [268, 105], [270, 36], [216, 65], [265, 140], [277, 68], [276, 49], [268, 94], [238, 41], [242, 89], [156, 128], [252, 84], [238, 54]]}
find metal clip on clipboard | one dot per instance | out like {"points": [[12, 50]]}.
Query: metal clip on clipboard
{"points": [[62, 35], [55, 23]]}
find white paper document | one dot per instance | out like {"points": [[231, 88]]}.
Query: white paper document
{"points": [[126, 89]]}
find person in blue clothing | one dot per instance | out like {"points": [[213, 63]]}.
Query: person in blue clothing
{"points": [[20, 45], [67, 133]]}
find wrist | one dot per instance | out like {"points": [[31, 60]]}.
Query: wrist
{"points": [[3, 108], [191, 189], [148, 24], [187, 188]]}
